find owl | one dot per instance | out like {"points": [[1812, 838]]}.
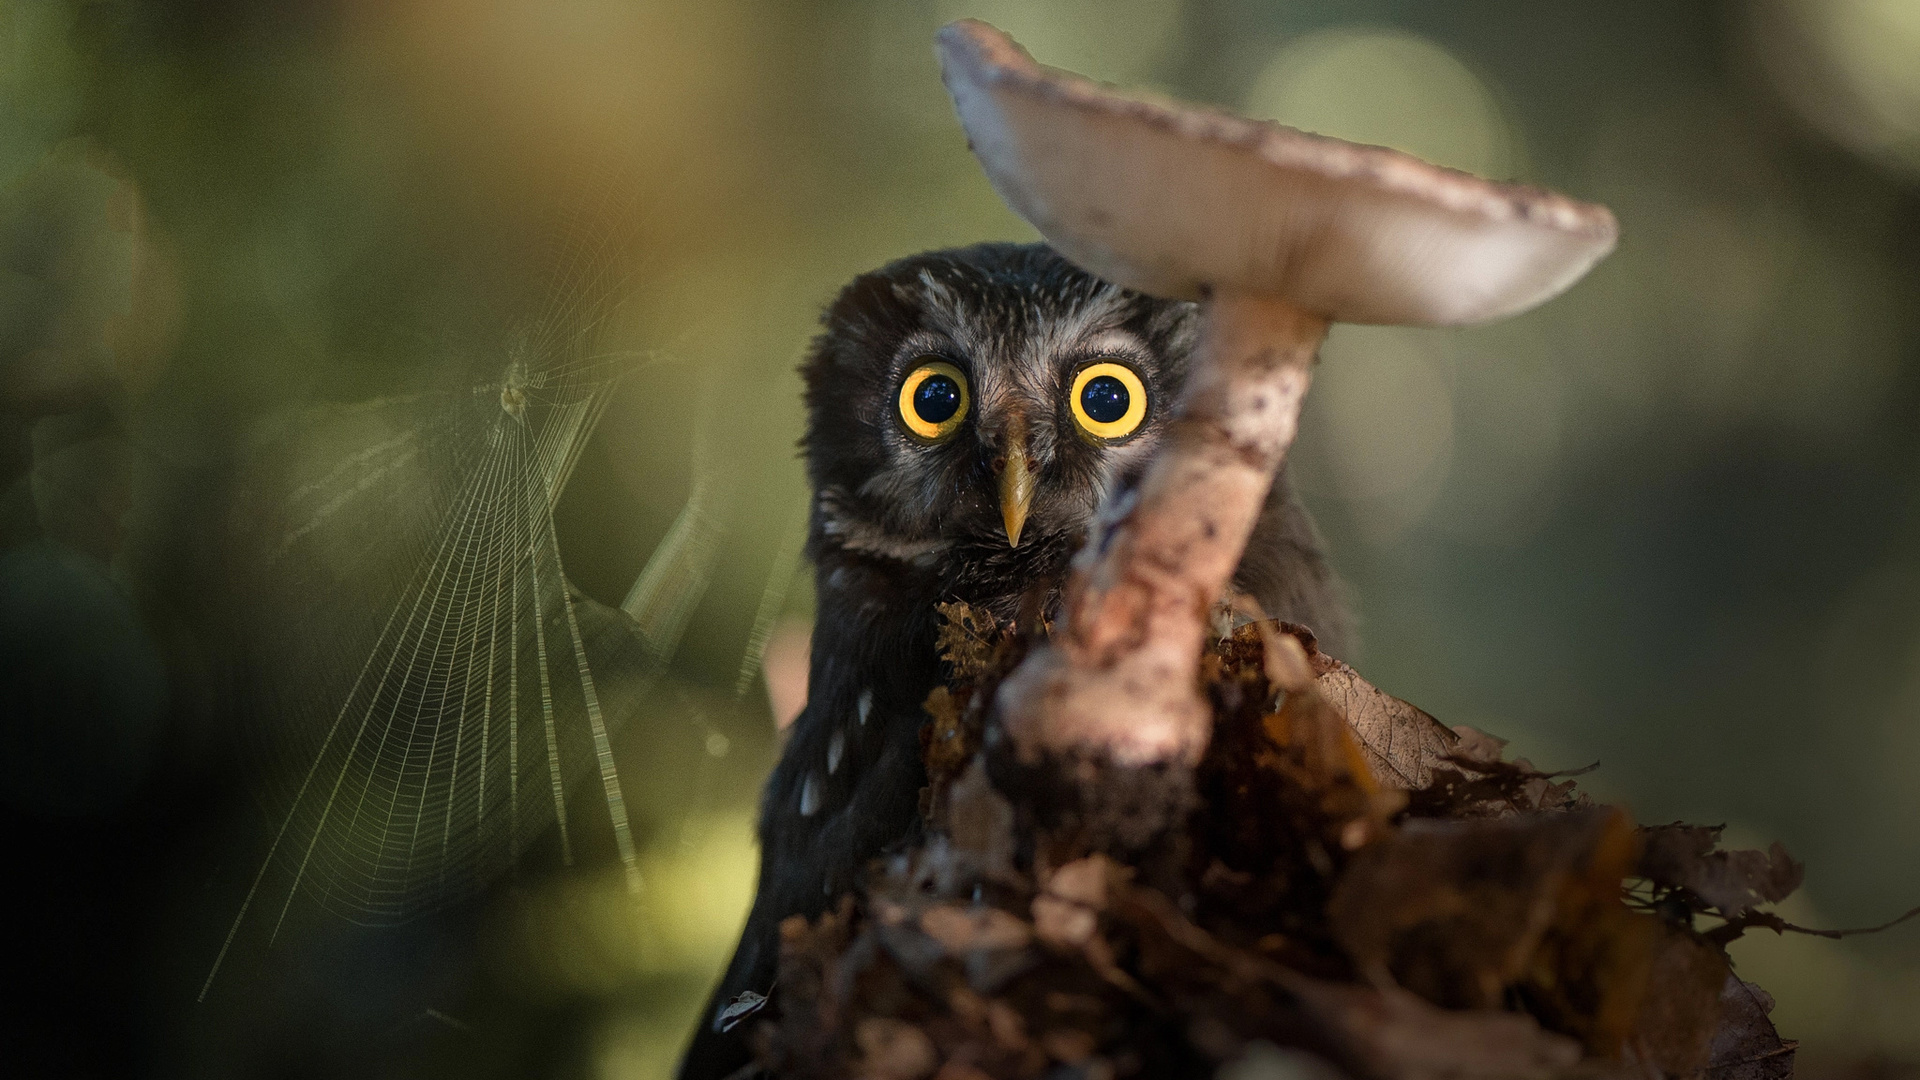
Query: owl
{"points": [[968, 411]]}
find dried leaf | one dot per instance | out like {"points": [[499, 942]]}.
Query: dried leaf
{"points": [[1683, 857], [1486, 922], [980, 820], [893, 1050], [1067, 912], [1287, 659], [1066, 915], [1403, 745], [1317, 740], [918, 954], [945, 747], [966, 639], [1494, 788], [1298, 781], [1385, 1032], [1747, 1047], [962, 930], [1681, 1013], [1262, 1060], [1477, 746], [1456, 910], [1591, 976], [1392, 1034]]}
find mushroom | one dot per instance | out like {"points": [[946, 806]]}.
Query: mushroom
{"points": [[1277, 232]]}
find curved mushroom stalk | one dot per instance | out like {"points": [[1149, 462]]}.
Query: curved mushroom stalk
{"points": [[1120, 680], [1279, 232]]}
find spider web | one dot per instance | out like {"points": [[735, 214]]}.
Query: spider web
{"points": [[434, 700]]}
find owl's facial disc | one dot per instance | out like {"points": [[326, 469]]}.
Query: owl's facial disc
{"points": [[1013, 439], [970, 409]]}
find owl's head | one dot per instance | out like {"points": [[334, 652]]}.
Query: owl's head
{"points": [[975, 405]]}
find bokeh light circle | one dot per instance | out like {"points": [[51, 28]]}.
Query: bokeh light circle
{"points": [[1850, 67], [1388, 88]]}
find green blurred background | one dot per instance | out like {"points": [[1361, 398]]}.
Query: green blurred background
{"points": [[1669, 522]]}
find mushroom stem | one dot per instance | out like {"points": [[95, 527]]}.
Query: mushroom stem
{"points": [[1121, 683], [1280, 231]]}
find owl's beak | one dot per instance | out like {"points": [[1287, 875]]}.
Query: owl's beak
{"points": [[1016, 493]]}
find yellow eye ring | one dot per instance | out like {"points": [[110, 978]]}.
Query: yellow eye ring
{"points": [[1104, 410], [934, 400]]}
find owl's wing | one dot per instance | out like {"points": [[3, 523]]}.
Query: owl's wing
{"points": [[847, 786]]}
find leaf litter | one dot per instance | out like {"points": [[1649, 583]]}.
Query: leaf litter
{"points": [[1353, 889]]}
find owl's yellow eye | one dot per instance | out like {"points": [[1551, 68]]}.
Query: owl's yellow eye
{"points": [[1108, 400], [933, 400]]}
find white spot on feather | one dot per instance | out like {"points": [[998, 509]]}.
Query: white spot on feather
{"points": [[865, 705], [836, 749], [810, 795]]}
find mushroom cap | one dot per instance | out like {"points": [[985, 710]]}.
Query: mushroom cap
{"points": [[1184, 202]]}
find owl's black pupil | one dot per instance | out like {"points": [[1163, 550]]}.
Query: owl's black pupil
{"points": [[1105, 399], [936, 399]]}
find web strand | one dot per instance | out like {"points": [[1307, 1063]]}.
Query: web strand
{"points": [[438, 507]]}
